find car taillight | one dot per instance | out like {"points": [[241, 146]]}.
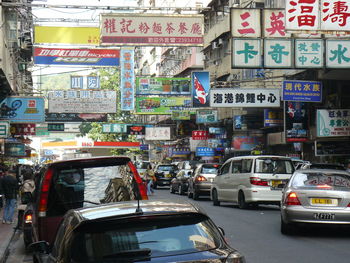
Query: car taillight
{"points": [[200, 179], [258, 181], [28, 218], [349, 205], [44, 194], [292, 199]]}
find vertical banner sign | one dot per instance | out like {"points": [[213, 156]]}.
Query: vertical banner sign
{"points": [[76, 82], [93, 82], [296, 121], [127, 78], [200, 89]]}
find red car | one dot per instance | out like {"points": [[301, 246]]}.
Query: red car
{"points": [[71, 184]]}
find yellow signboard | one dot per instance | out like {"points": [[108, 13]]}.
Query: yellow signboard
{"points": [[67, 35]]}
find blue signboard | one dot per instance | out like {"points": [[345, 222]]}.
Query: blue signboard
{"points": [[93, 82], [76, 82], [144, 147], [298, 90], [200, 89], [23, 109], [205, 151]]}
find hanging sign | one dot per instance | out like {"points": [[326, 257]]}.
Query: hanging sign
{"points": [[299, 90], [200, 135], [127, 79], [200, 88], [332, 123]]}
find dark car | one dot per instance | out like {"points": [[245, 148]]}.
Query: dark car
{"points": [[180, 182], [70, 184], [164, 173], [151, 231]]}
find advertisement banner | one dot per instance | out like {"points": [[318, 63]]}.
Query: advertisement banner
{"points": [[245, 98], [160, 105], [163, 86], [114, 128], [22, 129], [332, 123], [127, 79], [296, 116], [82, 57], [75, 117], [23, 109], [82, 101], [136, 130], [151, 29], [246, 143], [207, 116], [178, 115], [273, 118], [299, 90], [200, 88], [15, 149], [200, 135], [205, 151], [158, 134]]}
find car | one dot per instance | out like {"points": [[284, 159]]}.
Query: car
{"points": [[144, 231], [201, 180], [179, 184], [323, 166], [251, 180], [164, 173], [190, 164], [315, 196], [69, 184]]}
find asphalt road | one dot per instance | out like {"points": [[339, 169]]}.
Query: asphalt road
{"points": [[256, 234]]}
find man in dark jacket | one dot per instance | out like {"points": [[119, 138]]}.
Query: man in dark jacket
{"points": [[10, 189]]}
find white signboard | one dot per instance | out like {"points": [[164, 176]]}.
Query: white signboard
{"points": [[302, 15], [246, 53], [278, 53], [157, 133], [4, 129], [72, 127], [245, 98], [82, 101], [309, 53], [245, 22], [335, 15], [274, 24], [331, 123], [337, 53]]}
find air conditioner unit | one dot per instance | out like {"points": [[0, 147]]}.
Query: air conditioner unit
{"points": [[189, 51], [214, 45]]}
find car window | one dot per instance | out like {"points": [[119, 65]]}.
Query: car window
{"points": [[209, 170], [274, 165], [226, 168], [154, 237], [166, 168], [247, 165], [236, 166], [320, 180]]}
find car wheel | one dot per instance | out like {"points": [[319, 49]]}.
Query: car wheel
{"points": [[242, 204], [180, 190], [189, 193], [286, 229], [195, 195], [172, 189], [214, 194]]}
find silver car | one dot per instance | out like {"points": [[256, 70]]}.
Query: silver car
{"points": [[320, 196]]}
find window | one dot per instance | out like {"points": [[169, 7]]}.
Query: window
{"points": [[226, 168], [247, 165], [237, 166], [339, 181], [274, 165]]}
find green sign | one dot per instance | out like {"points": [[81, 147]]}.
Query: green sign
{"points": [[4, 129], [163, 86], [114, 128], [160, 105], [55, 126], [178, 115]]}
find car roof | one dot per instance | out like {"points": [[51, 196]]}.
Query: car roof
{"points": [[334, 171], [258, 156]]}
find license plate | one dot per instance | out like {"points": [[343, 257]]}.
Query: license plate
{"points": [[168, 175], [275, 183], [324, 201], [324, 216]]}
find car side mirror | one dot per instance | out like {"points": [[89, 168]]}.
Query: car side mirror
{"points": [[41, 247]]}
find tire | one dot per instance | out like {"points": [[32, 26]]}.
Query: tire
{"points": [[189, 193], [195, 195], [214, 195], [286, 229], [242, 204], [181, 192], [172, 189]]}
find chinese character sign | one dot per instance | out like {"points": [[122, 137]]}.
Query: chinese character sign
{"points": [[205, 151], [335, 15], [278, 53], [333, 123], [245, 22], [200, 89], [127, 78], [76, 82], [273, 118], [302, 14], [245, 98], [200, 135], [246, 53], [93, 82], [309, 53], [338, 53], [157, 133], [298, 90], [151, 29], [274, 23], [23, 129]]}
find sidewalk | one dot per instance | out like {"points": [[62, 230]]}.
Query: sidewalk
{"points": [[6, 233]]}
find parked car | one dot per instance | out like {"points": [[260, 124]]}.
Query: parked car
{"points": [[153, 231], [69, 184], [164, 173], [316, 196], [323, 166], [251, 180], [201, 180], [179, 184]]}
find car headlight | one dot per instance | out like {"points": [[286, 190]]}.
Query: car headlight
{"points": [[235, 258]]}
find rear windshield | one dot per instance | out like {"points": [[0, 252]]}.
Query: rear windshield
{"points": [[80, 187], [166, 168], [274, 165], [326, 166], [144, 238], [209, 169], [321, 180]]}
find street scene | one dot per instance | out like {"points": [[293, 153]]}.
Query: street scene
{"points": [[174, 131]]}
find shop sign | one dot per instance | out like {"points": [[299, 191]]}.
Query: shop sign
{"points": [[180, 152], [144, 147], [93, 82], [216, 130], [82, 101], [273, 118], [245, 98], [200, 135], [160, 105], [41, 129], [200, 89], [246, 143], [207, 116], [135, 130], [177, 115], [4, 129], [338, 52], [245, 22], [332, 148], [278, 53], [215, 143], [205, 151], [274, 23], [299, 90], [158, 133], [296, 116], [309, 53], [76, 82], [22, 129], [246, 53], [332, 123], [127, 79], [114, 128], [55, 127], [15, 149], [75, 117], [163, 86], [151, 29]]}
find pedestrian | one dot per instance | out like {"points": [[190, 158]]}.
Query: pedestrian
{"points": [[25, 192], [149, 179], [10, 190]]}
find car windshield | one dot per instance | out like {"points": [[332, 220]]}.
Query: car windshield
{"points": [[209, 170], [166, 168], [274, 165], [321, 180], [144, 238]]}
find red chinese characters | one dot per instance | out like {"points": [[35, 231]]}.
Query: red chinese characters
{"points": [[302, 14], [276, 21], [336, 14]]}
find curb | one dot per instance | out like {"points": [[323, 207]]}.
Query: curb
{"points": [[6, 251]]}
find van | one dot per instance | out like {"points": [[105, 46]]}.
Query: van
{"points": [[251, 180]]}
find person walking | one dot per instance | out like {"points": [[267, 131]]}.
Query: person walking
{"points": [[25, 192], [10, 189], [149, 179]]}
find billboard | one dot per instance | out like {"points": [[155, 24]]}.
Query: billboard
{"points": [[127, 79], [296, 119], [162, 86], [200, 89], [157, 133], [160, 105], [75, 117]]}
